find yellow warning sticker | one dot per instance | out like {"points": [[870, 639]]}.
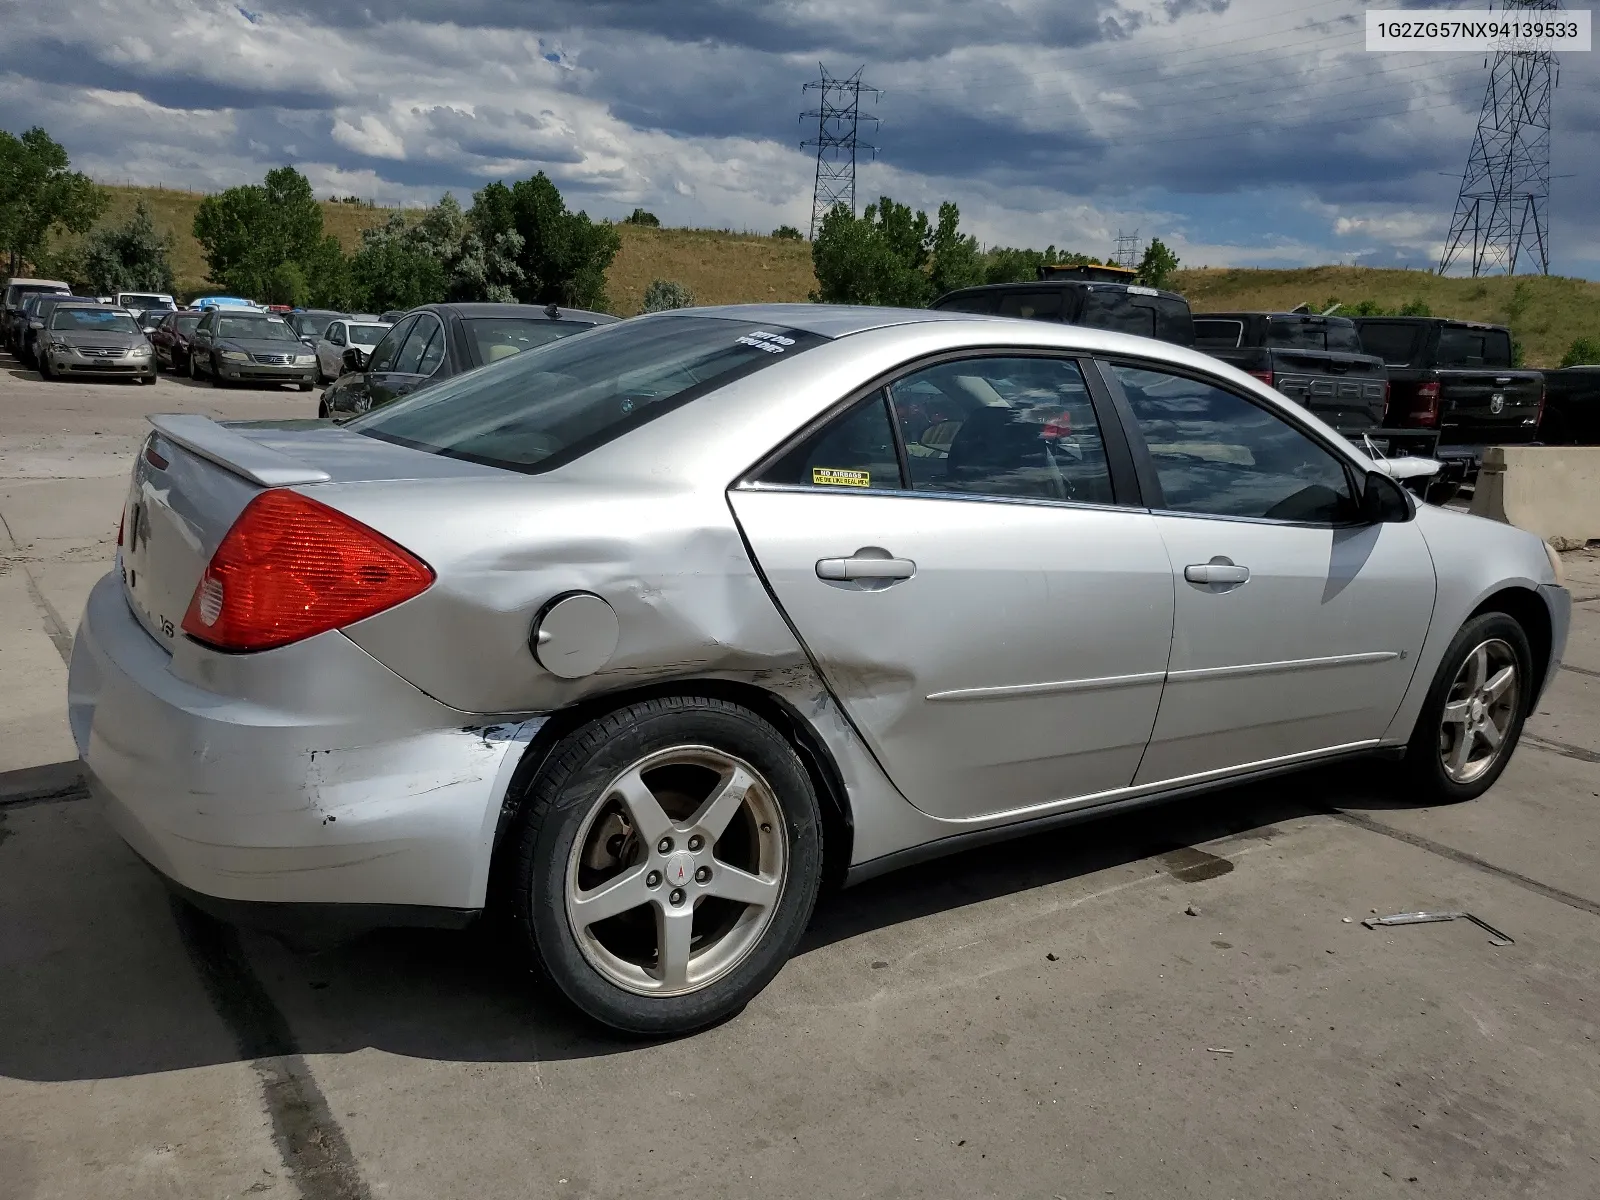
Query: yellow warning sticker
{"points": [[834, 477]]}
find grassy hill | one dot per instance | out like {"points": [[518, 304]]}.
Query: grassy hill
{"points": [[721, 267]]}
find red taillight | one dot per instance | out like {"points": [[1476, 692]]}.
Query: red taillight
{"points": [[1264, 376], [291, 568], [1424, 405]]}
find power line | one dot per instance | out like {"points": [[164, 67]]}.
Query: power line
{"points": [[1502, 206], [838, 115]]}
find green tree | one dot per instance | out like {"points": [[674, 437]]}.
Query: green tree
{"points": [[252, 235], [389, 273], [788, 233], [956, 262], [663, 294], [1583, 352], [1157, 266], [641, 216], [893, 255], [127, 258], [39, 191], [563, 255]]}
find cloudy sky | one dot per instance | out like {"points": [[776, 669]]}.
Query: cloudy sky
{"points": [[1251, 132]]}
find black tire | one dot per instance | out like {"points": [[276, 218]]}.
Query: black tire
{"points": [[44, 370], [559, 802], [1424, 763], [322, 410], [306, 386], [194, 369]]}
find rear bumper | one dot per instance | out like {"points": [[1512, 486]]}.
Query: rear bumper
{"points": [[336, 783]]}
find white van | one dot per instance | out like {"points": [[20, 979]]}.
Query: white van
{"points": [[139, 301]]}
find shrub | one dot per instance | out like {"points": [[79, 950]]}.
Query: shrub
{"points": [[788, 233], [640, 217], [1583, 352], [663, 294]]}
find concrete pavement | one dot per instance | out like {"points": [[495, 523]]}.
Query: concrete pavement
{"points": [[1168, 1004]]}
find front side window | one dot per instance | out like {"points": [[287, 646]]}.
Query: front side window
{"points": [[388, 350], [1219, 454], [549, 405], [423, 333], [1021, 427]]}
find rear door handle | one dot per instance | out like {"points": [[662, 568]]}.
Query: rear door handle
{"points": [[865, 568], [1216, 571]]}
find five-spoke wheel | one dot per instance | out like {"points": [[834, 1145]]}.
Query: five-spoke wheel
{"points": [[1478, 714]]}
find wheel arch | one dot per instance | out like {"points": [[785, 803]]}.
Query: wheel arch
{"points": [[838, 824], [1529, 611]]}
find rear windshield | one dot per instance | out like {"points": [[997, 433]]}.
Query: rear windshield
{"points": [[977, 302], [312, 325], [1288, 333], [145, 300], [366, 335], [96, 320], [1212, 333], [1034, 306], [263, 329], [540, 409], [1395, 344], [1460, 347], [500, 337]]}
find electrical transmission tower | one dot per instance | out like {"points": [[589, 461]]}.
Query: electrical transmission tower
{"points": [[838, 115], [1127, 254], [1501, 210]]}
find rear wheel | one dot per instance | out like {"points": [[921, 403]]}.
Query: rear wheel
{"points": [[322, 409], [194, 369], [1473, 715], [666, 863]]}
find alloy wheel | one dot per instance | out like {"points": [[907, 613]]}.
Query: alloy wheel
{"points": [[1479, 711], [676, 871]]}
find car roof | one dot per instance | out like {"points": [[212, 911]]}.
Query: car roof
{"points": [[828, 320], [1431, 321], [486, 308], [24, 280], [1038, 285], [1294, 316]]}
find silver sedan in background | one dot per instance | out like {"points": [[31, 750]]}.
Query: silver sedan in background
{"points": [[649, 633]]}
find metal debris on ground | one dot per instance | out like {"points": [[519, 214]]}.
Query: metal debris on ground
{"points": [[1496, 938]]}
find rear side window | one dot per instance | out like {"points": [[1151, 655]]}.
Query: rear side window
{"points": [[547, 406], [977, 302], [1395, 344], [1035, 306], [1462, 347], [1213, 333], [1117, 311], [854, 451]]}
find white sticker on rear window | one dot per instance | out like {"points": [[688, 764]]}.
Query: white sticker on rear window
{"points": [[772, 343]]}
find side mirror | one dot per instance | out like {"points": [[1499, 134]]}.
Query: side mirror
{"points": [[353, 359], [1383, 501]]}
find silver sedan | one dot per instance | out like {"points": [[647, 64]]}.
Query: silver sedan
{"points": [[650, 633]]}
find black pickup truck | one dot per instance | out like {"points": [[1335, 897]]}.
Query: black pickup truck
{"points": [[1092, 301], [1316, 361], [1455, 377], [1571, 407]]}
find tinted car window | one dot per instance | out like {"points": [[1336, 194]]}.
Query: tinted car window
{"points": [[500, 337], [102, 320], [1037, 306], [552, 404], [1019, 427], [364, 335], [1496, 348], [389, 349], [1213, 333], [1459, 347], [853, 451], [1116, 310], [978, 302], [1297, 335], [1342, 337], [409, 361], [433, 352], [1395, 344], [1219, 454]]}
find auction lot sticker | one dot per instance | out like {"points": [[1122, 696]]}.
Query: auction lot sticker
{"points": [[1526, 30]]}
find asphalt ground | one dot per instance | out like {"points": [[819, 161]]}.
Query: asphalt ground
{"points": [[1180, 1002]]}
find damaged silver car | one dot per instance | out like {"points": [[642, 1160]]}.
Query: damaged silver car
{"points": [[648, 634]]}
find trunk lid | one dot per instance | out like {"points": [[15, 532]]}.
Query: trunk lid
{"points": [[1345, 390], [194, 476], [1489, 406]]}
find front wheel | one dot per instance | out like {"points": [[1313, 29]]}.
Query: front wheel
{"points": [[1474, 712], [666, 863]]}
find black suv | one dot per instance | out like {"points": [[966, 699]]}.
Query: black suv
{"points": [[1122, 307]]}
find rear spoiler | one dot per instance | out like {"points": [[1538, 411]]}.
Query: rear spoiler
{"points": [[235, 452]]}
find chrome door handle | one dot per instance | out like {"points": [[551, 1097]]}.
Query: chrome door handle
{"points": [[1216, 572], [865, 568]]}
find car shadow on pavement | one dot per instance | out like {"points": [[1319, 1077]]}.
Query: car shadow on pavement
{"points": [[109, 994]]}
